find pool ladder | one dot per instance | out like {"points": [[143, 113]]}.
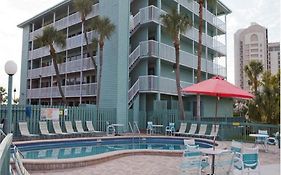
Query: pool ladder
{"points": [[135, 130]]}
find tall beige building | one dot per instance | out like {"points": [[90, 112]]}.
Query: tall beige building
{"points": [[273, 63], [249, 44]]}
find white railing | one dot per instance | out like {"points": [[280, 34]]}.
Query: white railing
{"points": [[66, 21], [70, 91], [167, 53], [68, 67], [133, 91]]}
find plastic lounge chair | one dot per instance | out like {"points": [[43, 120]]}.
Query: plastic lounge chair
{"points": [[170, 129], [223, 163], [192, 130], [24, 130], [44, 129], [149, 128], [91, 128], [202, 130], [18, 163], [214, 131], [57, 128], [182, 129], [79, 127], [69, 128], [249, 161]]}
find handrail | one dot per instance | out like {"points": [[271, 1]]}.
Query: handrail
{"points": [[5, 154], [137, 127], [130, 126]]}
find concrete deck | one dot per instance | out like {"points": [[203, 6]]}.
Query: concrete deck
{"points": [[157, 165]]}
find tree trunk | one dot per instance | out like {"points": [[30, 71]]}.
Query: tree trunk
{"points": [[90, 51], [199, 52], [54, 56], [101, 44], [180, 101]]}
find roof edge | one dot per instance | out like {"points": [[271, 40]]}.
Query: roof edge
{"points": [[21, 25], [227, 10]]}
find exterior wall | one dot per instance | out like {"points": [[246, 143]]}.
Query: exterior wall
{"points": [[114, 88], [24, 65]]}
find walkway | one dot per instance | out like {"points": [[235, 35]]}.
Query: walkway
{"points": [[155, 165]]}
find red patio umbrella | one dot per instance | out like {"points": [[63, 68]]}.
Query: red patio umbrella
{"points": [[218, 87]]}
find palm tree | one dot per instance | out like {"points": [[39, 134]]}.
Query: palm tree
{"points": [[50, 37], [104, 28], [176, 23], [199, 50], [253, 70], [3, 95], [84, 7]]}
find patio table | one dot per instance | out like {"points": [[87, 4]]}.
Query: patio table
{"points": [[213, 153], [158, 128], [118, 127], [261, 139]]}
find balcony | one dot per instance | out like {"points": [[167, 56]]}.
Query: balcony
{"points": [[71, 43], [152, 14], [68, 67], [165, 52], [154, 84], [70, 91], [66, 21], [207, 15]]}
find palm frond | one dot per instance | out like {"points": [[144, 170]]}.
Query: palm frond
{"points": [[84, 7], [103, 26], [51, 36]]}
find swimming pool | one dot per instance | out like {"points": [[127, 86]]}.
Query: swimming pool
{"points": [[68, 149]]}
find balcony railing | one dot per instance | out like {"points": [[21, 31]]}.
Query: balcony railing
{"points": [[69, 91], [152, 14], [165, 52], [151, 83], [66, 21], [68, 67]]}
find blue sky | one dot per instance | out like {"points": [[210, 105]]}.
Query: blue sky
{"points": [[13, 12]]}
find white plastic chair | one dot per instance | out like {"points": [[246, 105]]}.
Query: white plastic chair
{"points": [[249, 161], [24, 130], [182, 129], [57, 128], [192, 130], [214, 131], [202, 130], [170, 129], [149, 129], [79, 127], [91, 128], [44, 128]]}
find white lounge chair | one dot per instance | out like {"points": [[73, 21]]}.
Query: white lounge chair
{"points": [[202, 130], [192, 130], [44, 128], [214, 131], [69, 128], [24, 130], [91, 128], [79, 126], [182, 129], [57, 128]]}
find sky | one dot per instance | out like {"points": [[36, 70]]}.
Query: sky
{"points": [[13, 12]]}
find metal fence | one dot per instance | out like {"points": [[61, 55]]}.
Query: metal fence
{"points": [[230, 127], [31, 114]]}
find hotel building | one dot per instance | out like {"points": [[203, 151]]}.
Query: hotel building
{"points": [[138, 59]]}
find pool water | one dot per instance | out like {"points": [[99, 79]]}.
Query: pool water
{"points": [[83, 148]]}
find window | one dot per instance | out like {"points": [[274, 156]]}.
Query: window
{"points": [[254, 37]]}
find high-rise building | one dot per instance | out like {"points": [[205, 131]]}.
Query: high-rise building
{"points": [[273, 63], [249, 44], [138, 58]]}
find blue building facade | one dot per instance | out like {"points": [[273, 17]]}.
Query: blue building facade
{"points": [[138, 73]]}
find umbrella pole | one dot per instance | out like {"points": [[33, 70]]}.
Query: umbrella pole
{"points": [[216, 112]]}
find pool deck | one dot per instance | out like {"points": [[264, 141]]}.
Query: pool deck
{"points": [[157, 164]]}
